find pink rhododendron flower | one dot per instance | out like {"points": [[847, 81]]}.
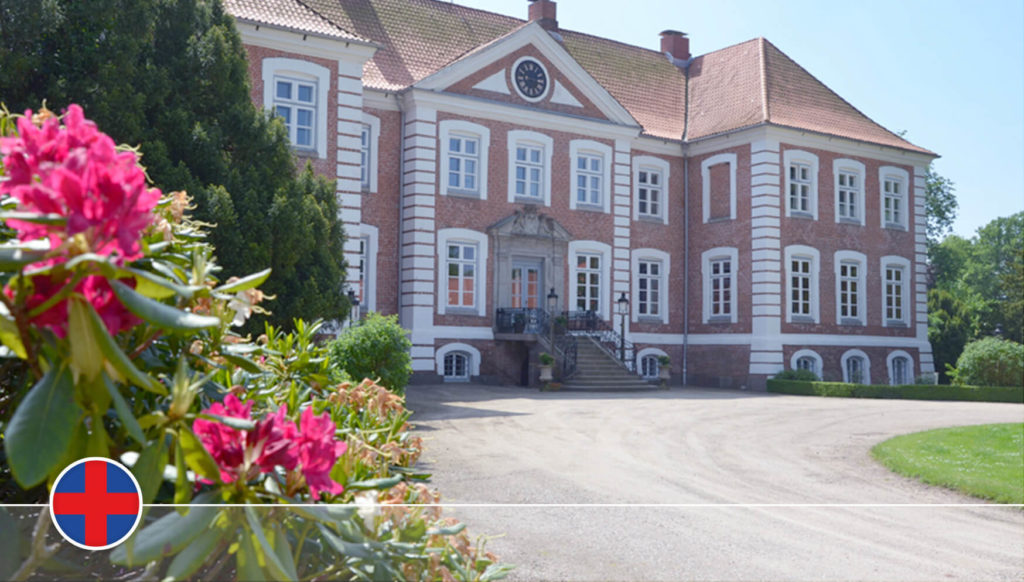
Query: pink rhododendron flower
{"points": [[75, 171], [95, 289], [275, 441], [318, 451]]}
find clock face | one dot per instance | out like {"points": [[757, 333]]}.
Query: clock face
{"points": [[531, 80]]}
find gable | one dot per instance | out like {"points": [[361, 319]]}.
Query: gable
{"points": [[488, 73]]}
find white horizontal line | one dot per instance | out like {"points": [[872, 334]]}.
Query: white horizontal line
{"points": [[565, 505]]}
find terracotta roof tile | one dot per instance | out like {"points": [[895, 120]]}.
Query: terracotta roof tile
{"points": [[797, 99], [725, 91], [288, 14], [643, 81]]}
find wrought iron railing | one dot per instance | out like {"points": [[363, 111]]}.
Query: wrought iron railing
{"points": [[529, 320], [520, 320], [590, 324]]}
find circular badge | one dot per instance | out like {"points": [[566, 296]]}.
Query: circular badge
{"points": [[96, 503]]}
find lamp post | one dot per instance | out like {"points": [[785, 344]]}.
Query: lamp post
{"points": [[552, 305], [354, 310], [623, 307]]}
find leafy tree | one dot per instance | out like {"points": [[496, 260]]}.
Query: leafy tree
{"points": [[1013, 307], [949, 328], [376, 348], [995, 249], [172, 77], [947, 261], [940, 205]]}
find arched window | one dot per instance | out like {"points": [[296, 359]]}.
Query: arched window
{"points": [[456, 367], [807, 363], [856, 367], [901, 368], [649, 366]]}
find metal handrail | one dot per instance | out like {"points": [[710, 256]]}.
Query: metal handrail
{"points": [[589, 324]]}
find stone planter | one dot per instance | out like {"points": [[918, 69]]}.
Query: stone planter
{"points": [[545, 373], [664, 374]]}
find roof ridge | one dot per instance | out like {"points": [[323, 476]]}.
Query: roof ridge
{"points": [[610, 40], [765, 111], [329, 21], [725, 48], [452, 4], [838, 96]]}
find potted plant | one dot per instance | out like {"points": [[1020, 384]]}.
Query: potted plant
{"points": [[546, 363], [664, 368]]}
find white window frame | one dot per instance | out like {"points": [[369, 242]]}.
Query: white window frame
{"points": [[472, 352], [890, 360], [867, 365], [706, 258], [578, 147], [803, 252], [466, 236], [789, 158], [858, 169], [591, 247], [664, 260], [373, 123], [648, 353], [861, 261], [648, 164], [904, 264], [805, 353], [521, 137], [705, 173], [906, 204], [371, 235], [458, 128], [307, 72]]}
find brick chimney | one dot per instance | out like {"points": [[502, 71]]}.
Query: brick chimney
{"points": [[675, 44], [543, 12]]}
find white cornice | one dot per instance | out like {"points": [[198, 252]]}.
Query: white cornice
{"points": [[299, 43], [383, 100], [522, 115], [533, 34]]}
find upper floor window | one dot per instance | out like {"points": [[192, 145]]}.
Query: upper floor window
{"points": [[649, 281], [719, 268], [365, 151], [718, 177], [650, 284], [296, 91], [591, 174], [588, 282], [529, 167], [802, 284], [801, 183], [650, 179], [461, 275], [849, 187], [895, 202], [895, 291], [464, 149]]}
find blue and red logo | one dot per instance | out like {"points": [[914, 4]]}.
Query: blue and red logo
{"points": [[96, 503]]}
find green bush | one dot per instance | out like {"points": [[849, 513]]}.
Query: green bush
{"points": [[376, 348], [903, 392], [990, 362], [803, 375]]}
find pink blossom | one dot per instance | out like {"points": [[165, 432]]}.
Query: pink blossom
{"points": [[94, 288], [244, 454], [318, 451], [76, 171], [225, 444]]}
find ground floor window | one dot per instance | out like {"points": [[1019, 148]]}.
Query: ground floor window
{"points": [[855, 370], [807, 363], [649, 366], [456, 366]]}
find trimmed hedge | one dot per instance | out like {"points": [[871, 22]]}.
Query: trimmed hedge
{"points": [[904, 392]]}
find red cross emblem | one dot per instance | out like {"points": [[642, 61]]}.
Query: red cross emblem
{"points": [[96, 503]]}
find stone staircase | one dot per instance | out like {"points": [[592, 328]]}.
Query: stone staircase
{"points": [[597, 371]]}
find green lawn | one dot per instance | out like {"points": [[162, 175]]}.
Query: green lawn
{"points": [[986, 461]]}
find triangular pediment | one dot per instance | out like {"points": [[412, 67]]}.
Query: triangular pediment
{"points": [[487, 72], [528, 222]]}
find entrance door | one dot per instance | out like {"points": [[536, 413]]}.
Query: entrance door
{"points": [[526, 284]]}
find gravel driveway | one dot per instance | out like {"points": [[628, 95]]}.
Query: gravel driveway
{"points": [[634, 453]]}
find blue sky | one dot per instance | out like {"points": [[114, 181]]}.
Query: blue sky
{"points": [[951, 74]]}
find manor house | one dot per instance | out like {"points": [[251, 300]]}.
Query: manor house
{"points": [[510, 187]]}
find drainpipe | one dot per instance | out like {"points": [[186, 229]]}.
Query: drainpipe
{"points": [[686, 260], [401, 203]]}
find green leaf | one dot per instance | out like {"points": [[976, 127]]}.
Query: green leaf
{"points": [[119, 361], [182, 485], [243, 363], [157, 287], [124, 412], [283, 549], [235, 423], [159, 314], [169, 534], [13, 258], [446, 531], [86, 357], [363, 551], [97, 445], [149, 468], [34, 217], [274, 566], [247, 558], [10, 337], [10, 550], [381, 483], [325, 513], [249, 282], [196, 456], [40, 431], [195, 554]]}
